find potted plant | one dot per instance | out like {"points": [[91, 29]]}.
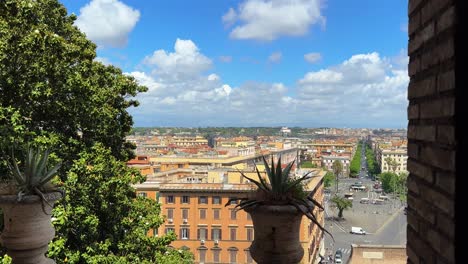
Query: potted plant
{"points": [[276, 208], [27, 202]]}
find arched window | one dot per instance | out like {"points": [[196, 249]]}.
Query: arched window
{"points": [[202, 254], [233, 255], [216, 253]]}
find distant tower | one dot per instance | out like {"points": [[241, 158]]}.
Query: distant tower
{"points": [[285, 131]]}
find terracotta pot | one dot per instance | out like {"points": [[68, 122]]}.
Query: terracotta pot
{"points": [[28, 229], [276, 229]]}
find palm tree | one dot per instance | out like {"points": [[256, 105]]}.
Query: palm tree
{"points": [[342, 204], [392, 164], [337, 168]]}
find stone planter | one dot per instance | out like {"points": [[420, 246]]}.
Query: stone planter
{"points": [[276, 229], [28, 229]]}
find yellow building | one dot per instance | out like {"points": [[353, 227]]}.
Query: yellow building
{"points": [[214, 233]]}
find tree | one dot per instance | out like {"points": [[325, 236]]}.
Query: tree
{"points": [[328, 179], [392, 164], [337, 168], [53, 91], [54, 94], [342, 204], [389, 181], [355, 165], [112, 223]]}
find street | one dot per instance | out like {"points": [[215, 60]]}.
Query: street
{"points": [[385, 224]]}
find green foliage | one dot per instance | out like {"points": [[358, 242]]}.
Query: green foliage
{"points": [[337, 168], [54, 94], [308, 164], [102, 219], [5, 259], [328, 179], [389, 180], [34, 176], [281, 189], [355, 166], [394, 183], [342, 204], [372, 165]]}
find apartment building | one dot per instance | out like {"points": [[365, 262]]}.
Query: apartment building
{"points": [[216, 233], [327, 161], [392, 160], [238, 146], [183, 141]]}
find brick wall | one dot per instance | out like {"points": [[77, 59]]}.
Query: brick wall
{"points": [[436, 139], [433, 137]]}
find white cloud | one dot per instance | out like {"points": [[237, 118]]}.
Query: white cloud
{"points": [[267, 20], [312, 57], [185, 60], [230, 17], [275, 57], [364, 90], [225, 59], [322, 76], [107, 22], [213, 77]]}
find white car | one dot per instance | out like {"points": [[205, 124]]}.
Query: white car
{"points": [[357, 230]]}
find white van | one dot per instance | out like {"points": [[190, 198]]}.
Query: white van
{"points": [[357, 230]]}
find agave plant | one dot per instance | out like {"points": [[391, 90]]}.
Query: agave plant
{"points": [[281, 189], [34, 176]]}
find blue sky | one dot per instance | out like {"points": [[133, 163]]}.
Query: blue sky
{"points": [[257, 62]]}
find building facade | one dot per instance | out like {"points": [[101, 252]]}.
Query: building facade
{"points": [[216, 233]]}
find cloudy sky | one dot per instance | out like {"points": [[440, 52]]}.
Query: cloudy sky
{"points": [[302, 63]]}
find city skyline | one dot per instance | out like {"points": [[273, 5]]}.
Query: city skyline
{"points": [[216, 64]]}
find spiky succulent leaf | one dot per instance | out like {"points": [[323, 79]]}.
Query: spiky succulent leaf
{"points": [[35, 174]]}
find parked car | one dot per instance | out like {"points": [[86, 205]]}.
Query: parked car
{"points": [[378, 201], [348, 196], [338, 256], [357, 230], [364, 200]]}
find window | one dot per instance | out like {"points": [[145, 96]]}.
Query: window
{"points": [[248, 257], [233, 232], [168, 230], [203, 200], [202, 255], [234, 201], [170, 199], [216, 213], [202, 234], [184, 233], [170, 213], [184, 213], [216, 200], [232, 256], [142, 194], [185, 199], [233, 214], [216, 234], [216, 255], [202, 213], [250, 234], [155, 232], [180, 166]]}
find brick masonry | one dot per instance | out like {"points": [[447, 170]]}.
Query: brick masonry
{"points": [[433, 137]]}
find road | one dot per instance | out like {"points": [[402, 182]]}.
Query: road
{"points": [[385, 224]]}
